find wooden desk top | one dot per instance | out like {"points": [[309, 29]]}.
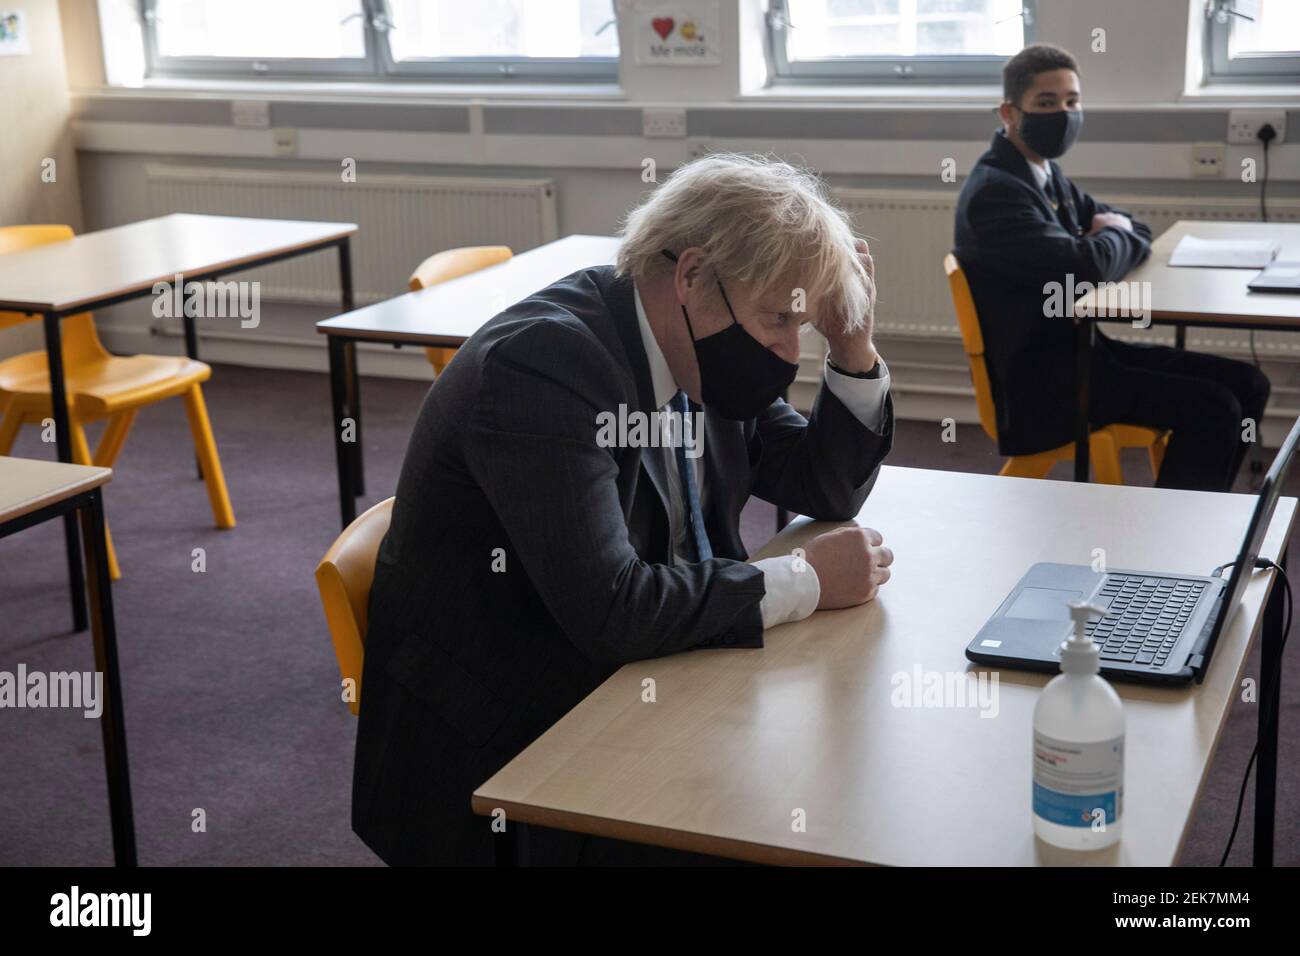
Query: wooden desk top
{"points": [[449, 313], [737, 740], [131, 258], [28, 485], [1213, 296]]}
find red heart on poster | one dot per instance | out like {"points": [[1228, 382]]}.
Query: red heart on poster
{"points": [[663, 26]]}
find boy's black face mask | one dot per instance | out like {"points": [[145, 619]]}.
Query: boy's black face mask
{"points": [[739, 376], [1050, 134]]}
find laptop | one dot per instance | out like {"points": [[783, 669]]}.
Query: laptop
{"points": [[1278, 277], [1159, 628]]}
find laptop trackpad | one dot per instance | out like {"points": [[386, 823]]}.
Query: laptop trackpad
{"points": [[1043, 604]]}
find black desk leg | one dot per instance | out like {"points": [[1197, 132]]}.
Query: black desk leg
{"points": [[111, 720], [63, 439], [1082, 431], [191, 337], [338, 403], [510, 847], [1180, 336], [354, 381], [1270, 699]]}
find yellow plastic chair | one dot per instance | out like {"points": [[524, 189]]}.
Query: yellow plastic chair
{"points": [[1104, 444], [344, 577], [452, 264], [102, 386]]}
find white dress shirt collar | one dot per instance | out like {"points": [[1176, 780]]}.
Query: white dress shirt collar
{"points": [[661, 376], [1042, 172]]}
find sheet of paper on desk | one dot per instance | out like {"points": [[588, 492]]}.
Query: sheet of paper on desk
{"points": [[1225, 253]]}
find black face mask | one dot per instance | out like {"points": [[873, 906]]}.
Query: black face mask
{"points": [[1050, 134], [739, 376]]}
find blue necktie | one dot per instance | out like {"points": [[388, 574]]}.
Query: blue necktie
{"points": [[690, 494]]}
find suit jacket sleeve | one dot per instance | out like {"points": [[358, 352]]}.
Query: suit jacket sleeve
{"points": [[822, 466], [532, 448], [1089, 207], [1018, 240]]}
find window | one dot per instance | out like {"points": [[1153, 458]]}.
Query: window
{"points": [[876, 40], [270, 37], [1253, 41], [559, 40]]}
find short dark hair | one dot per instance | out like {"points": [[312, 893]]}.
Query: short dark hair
{"points": [[1019, 72]]}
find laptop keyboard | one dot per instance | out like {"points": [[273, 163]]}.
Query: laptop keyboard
{"points": [[1146, 617]]}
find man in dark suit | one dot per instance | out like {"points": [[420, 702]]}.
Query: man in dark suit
{"points": [[1021, 227], [542, 534]]}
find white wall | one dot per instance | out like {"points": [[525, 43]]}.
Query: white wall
{"points": [[31, 138]]}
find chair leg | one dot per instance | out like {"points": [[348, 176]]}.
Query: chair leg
{"points": [[110, 443], [439, 358], [81, 455], [1105, 460], [206, 447], [9, 427], [1156, 452]]}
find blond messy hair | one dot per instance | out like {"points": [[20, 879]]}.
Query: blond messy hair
{"points": [[759, 221]]}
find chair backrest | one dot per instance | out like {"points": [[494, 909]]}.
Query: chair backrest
{"points": [[344, 577], [973, 342], [80, 342], [454, 263], [18, 238]]}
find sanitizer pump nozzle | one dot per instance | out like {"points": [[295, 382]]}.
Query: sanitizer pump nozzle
{"points": [[1079, 655]]}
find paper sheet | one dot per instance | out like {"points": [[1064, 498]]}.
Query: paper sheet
{"points": [[1225, 253]]}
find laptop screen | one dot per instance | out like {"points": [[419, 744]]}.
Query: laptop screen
{"points": [[1258, 528]]}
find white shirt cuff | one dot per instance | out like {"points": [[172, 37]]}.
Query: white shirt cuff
{"points": [[792, 589], [864, 397]]}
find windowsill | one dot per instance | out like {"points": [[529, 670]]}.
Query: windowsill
{"points": [[1243, 92], [363, 91], [878, 93], [865, 96], [598, 93]]}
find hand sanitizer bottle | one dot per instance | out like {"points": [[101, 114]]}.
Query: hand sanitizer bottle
{"points": [[1079, 747]]}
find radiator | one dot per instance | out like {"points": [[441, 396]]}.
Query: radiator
{"points": [[401, 220]]}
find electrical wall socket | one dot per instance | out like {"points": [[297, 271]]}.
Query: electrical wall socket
{"points": [[663, 124], [284, 141], [1208, 159], [1243, 125], [250, 114]]}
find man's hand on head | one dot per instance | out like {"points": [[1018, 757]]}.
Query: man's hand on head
{"points": [[853, 351]]}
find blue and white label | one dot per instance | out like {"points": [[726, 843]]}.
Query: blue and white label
{"points": [[1078, 784]]}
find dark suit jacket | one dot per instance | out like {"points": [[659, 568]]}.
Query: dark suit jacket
{"points": [[464, 665], [1011, 242]]}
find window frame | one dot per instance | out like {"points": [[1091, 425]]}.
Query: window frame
{"points": [[378, 63], [1220, 68], [961, 68]]}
